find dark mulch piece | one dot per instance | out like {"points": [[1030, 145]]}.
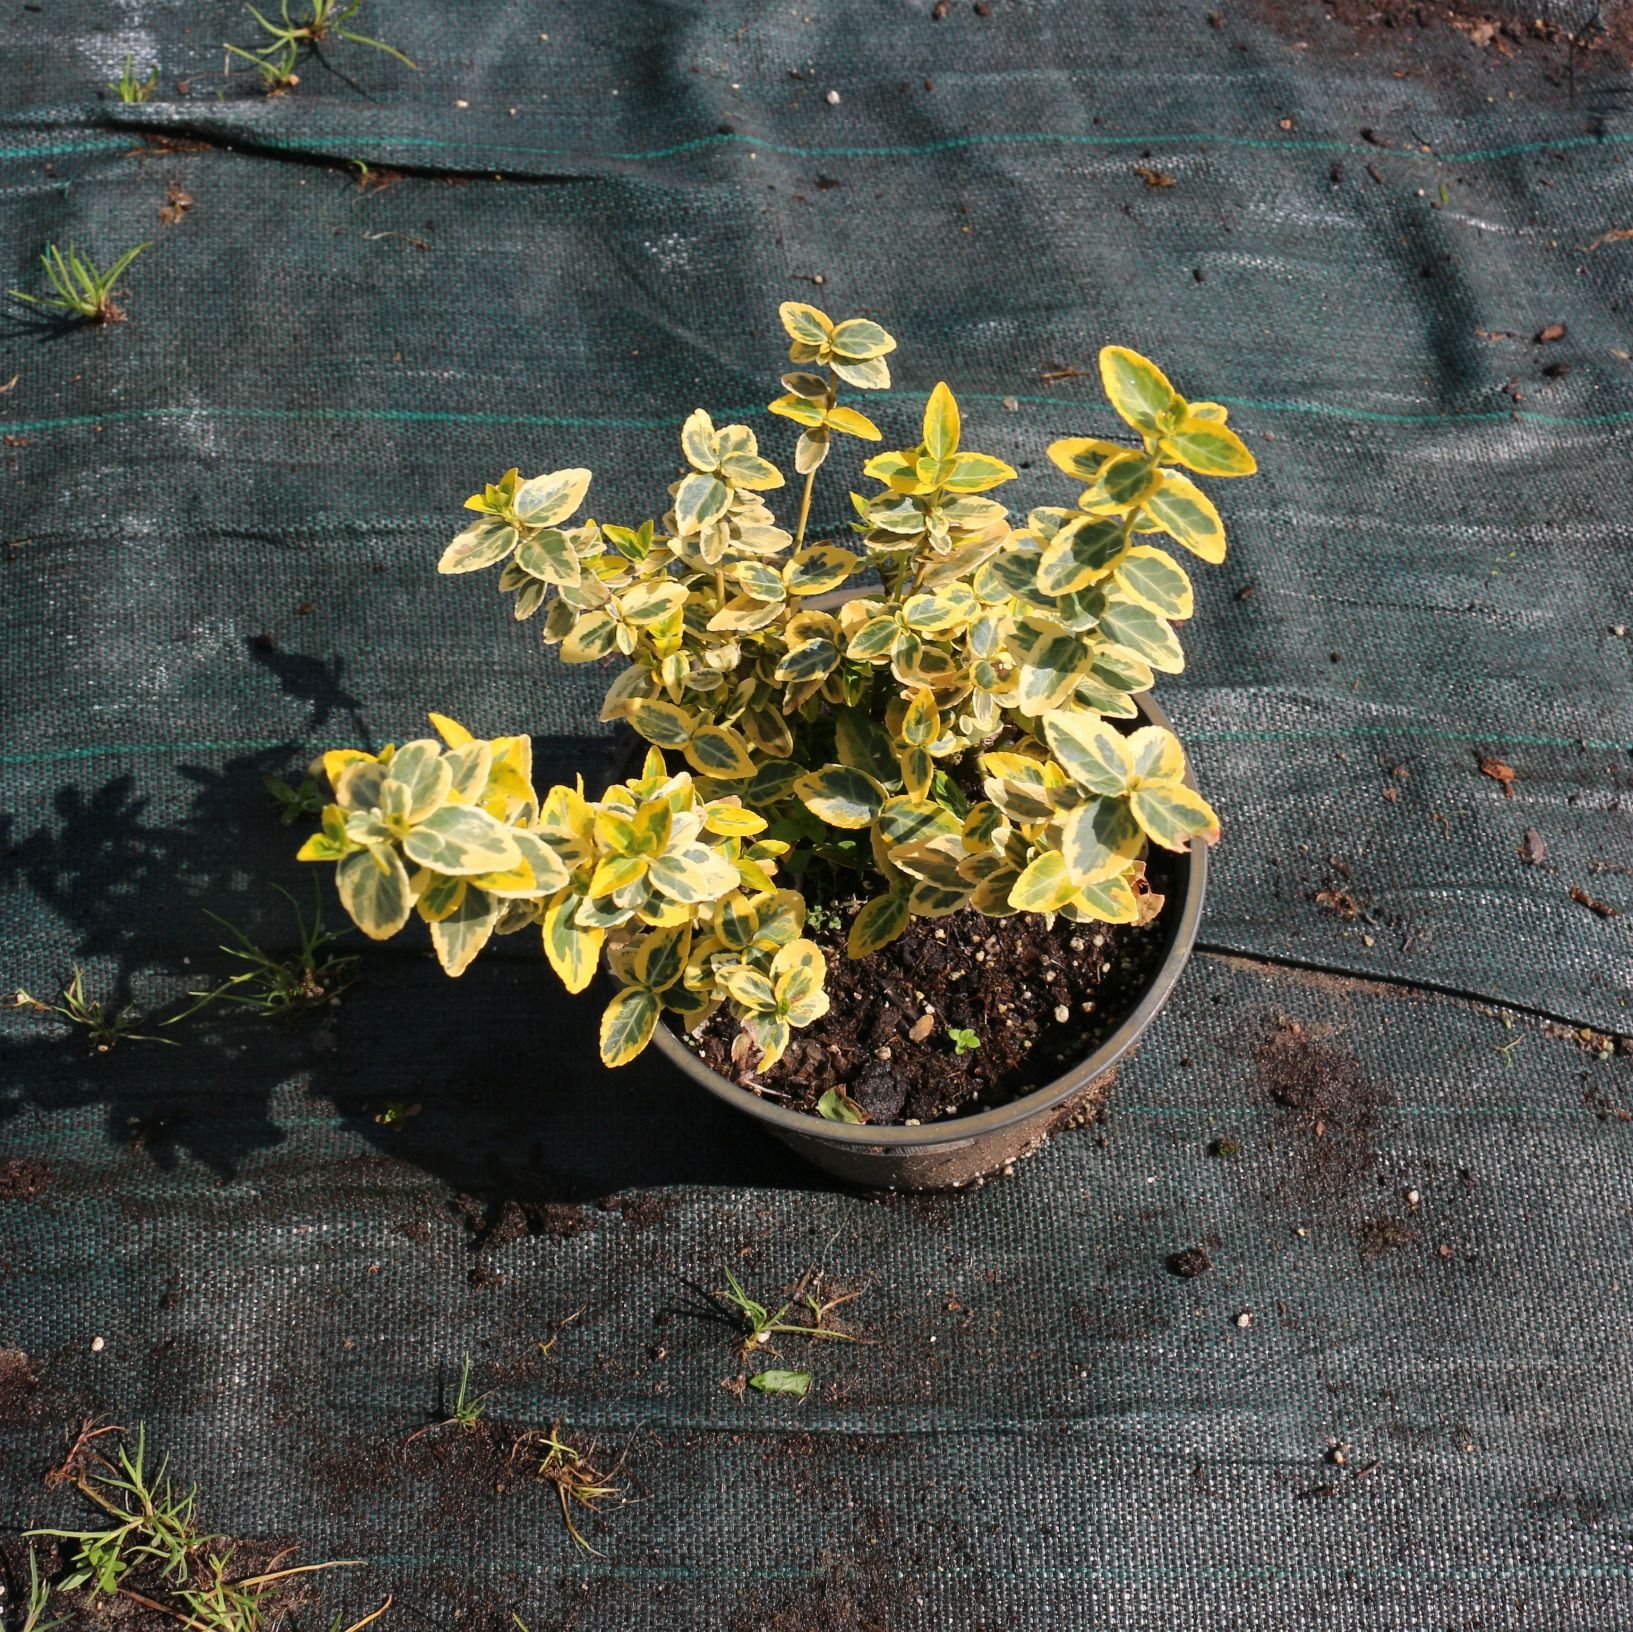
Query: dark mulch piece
{"points": [[1005, 979], [1190, 1263]]}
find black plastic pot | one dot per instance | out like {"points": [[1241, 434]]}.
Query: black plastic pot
{"points": [[966, 1149]]}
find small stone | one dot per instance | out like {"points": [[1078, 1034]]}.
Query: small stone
{"points": [[1062, 1013], [1413, 1199], [1619, 630], [1011, 404], [1244, 1319], [832, 99], [98, 1345], [460, 102]]}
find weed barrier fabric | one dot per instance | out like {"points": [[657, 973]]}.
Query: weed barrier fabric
{"points": [[220, 521]]}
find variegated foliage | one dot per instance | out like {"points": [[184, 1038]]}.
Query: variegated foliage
{"points": [[948, 733]]}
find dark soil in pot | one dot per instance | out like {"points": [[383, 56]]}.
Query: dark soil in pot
{"points": [[1008, 980]]}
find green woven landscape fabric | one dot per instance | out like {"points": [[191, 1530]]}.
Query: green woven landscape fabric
{"points": [[1389, 1099]]}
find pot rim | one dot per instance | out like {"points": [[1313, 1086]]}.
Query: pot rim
{"points": [[959, 1129]]}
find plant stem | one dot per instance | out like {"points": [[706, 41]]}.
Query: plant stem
{"points": [[804, 511], [810, 478]]}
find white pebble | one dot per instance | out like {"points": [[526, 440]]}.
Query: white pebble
{"points": [[1062, 1013], [833, 99], [1245, 1319], [98, 1345]]}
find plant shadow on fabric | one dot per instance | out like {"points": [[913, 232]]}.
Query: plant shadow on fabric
{"points": [[431, 1076]]}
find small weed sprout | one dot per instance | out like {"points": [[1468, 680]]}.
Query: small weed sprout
{"points": [[964, 1040], [82, 291], [155, 1539], [39, 1600], [128, 88], [469, 1409], [295, 804], [310, 977], [578, 1481], [287, 38], [104, 1026], [760, 1324], [152, 1524]]}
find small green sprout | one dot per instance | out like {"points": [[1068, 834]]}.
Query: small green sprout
{"points": [[964, 1041], [310, 977], [39, 1599], [82, 290], [105, 1026], [275, 61], [128, 88], [469, 1409], [155, 1537], [761, 1324], [295, 804]]}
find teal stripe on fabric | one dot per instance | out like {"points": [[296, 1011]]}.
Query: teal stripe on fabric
{"points": [[441, 416], [114, 750], [337, 140]]}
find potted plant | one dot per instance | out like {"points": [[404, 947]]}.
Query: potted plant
{"points": [[891, 874]]}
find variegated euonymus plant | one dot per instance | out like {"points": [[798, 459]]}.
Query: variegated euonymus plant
{"points": [[945, 735]]}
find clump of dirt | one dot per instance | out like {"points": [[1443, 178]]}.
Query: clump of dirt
{"points": [[23, 1179], [495, 1227], [1380, 1235], [1582, 41], [1038, 998], [640, 1208], [18, 1381], [1330, 1102]]}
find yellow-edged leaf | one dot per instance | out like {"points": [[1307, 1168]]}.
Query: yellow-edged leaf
{"points": [[717, 750], [1172, 814], [1187, 515], [852, 424], [462, 933], [627, 1025], [941, 423], [805, 323], [1156, 754], [879, 923], [1091, 753], [462, 840], [1098, 840], [665, 724], [1044, 885], [572, 949], [1155, 580], [374, 890], [841, 795], [1084, 456], [547, 501], [1209, 448], [451, 731], [1135, 387]]}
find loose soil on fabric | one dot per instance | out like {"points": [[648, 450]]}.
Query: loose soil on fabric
{"points": [[1009, 980]]}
